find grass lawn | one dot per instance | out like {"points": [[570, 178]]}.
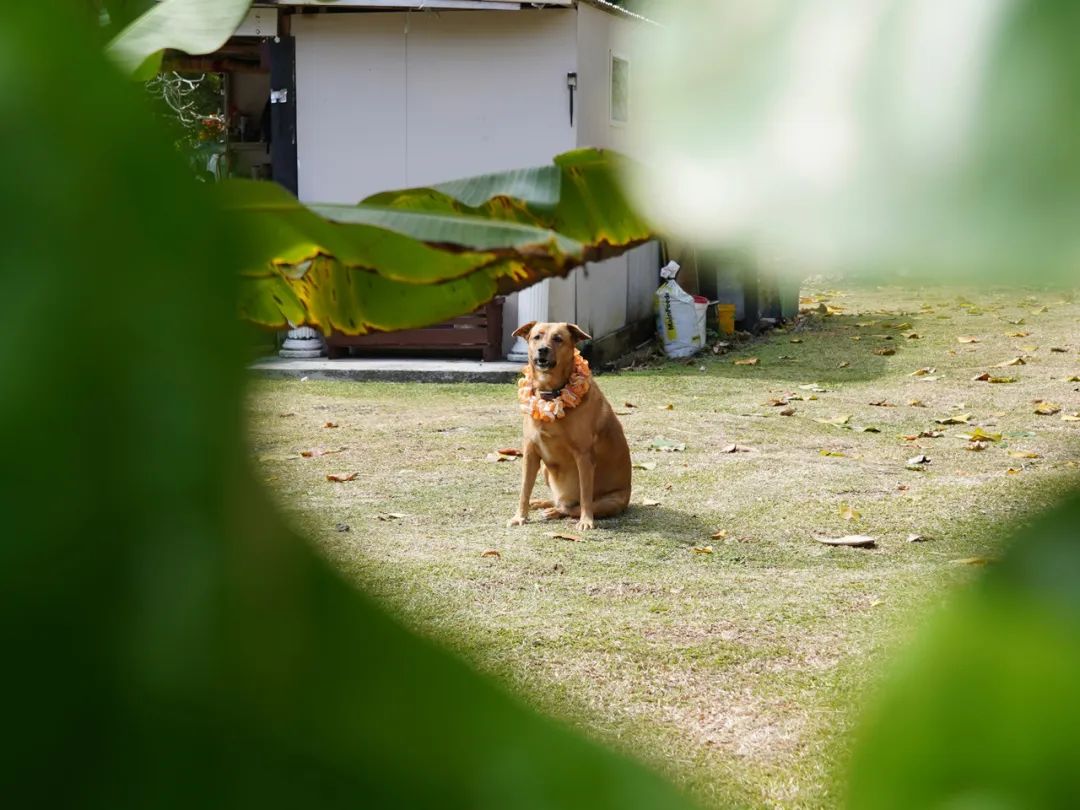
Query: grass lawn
{"points": [[737, 672]]}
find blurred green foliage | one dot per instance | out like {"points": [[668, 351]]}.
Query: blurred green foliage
{"points": [[167, 641]]}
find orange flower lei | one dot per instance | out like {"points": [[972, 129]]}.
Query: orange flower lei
{"points": [[548, 410]]}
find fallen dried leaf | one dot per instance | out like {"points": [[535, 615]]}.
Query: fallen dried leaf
{"points": [[287, 414], [832, 453], [649, 502], [1018, 334], [1044, 408], [1059, 349], [668, 407], [976, 447], [316, 452], [885, 351], [342, 527], [490, 552], [341, 477], [667, 445], [644, 465], [836, 421], [973, 561], [1071, 417], [702, 549], [844, 364], [916, 403], [795, 340], [331, 425], [386, 517], [851, 540], [573, 538], [882, 403], [922, 372], [1012, 471], [916, 460], [747, 361], [956, 419], [1016, 361], [984, 377], [629, 405], [787, 412], [967, 339], [719, 535], [848, 512], [1023, 454], [980, 435], [916, 538]]}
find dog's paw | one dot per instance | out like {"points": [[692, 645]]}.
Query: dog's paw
{"points": [[516, 520], [584, 524], [551, 513]]}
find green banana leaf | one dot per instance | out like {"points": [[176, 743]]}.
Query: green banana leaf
{"points": [[168, 640], [446, 250], [191, 26]]}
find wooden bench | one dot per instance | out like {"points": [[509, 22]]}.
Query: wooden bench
{"points": [[479, 332]]}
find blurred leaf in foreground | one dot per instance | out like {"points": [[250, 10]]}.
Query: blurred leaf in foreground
{"points": [[824, 134], [984, 710], [167, 640]]}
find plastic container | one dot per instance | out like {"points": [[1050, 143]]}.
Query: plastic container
{"points": [[725, 318]]}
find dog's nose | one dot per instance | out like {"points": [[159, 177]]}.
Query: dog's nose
{"points": [[543, 352]]}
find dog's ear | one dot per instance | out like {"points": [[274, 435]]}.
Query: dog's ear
{"points": [[578, 333], [524, 329]]}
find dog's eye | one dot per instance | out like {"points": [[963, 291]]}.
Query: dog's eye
{"points": [[557, 339], [536, 337]]}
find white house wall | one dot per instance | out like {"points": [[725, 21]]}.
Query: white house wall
{"points": [[387, 100], [607, 295]]}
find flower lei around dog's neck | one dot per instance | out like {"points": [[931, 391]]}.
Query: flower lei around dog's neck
{"points": [[547, 406]]}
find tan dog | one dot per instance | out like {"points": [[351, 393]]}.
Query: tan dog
{"points": [[586, 459]]}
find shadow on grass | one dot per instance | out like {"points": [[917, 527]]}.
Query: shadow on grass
{"points": [[824, 351], [686, 528]]}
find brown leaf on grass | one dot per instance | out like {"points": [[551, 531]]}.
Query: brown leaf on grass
{"points": [[976, 447], [844, 364], [1044, 408], [490, 552], [851, 541], [573, 538], [916, 403], [848, 512], [795, 340], [1017, 321], [916, 538], [956, 419], [747, 361], [912, 335], [915, 461], [967, 339], [702, 549], [882, 403], [1001, 380], [719, 535], [1023, 454], [386, 517], [1016, 361], [341, 478], [644, 465], [1071, 417], [316, 452], [984, 377], [669, 407], [508, 451], [286, 414], [814, 387], [787, 412], [1072, 378], [649, 502], [1018, 334], [922, 372], [885, 351], [832, 453], [1059, 349], [1012, 471], [629, 405], [925, 434], [331, 425]]}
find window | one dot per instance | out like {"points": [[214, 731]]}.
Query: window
{"points": [[620, 89]]}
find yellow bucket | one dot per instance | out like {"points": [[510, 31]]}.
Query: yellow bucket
{"points": [[725, 318]]}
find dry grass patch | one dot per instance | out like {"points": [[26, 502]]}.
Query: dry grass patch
{"points": [[738, 672]]}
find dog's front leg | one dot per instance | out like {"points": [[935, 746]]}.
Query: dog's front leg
{"points": [[586, 465], [529, 469]]}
